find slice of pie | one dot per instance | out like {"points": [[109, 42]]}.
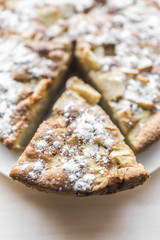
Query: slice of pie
{"points": [[78, 150], [30, 75], [121, 59]]}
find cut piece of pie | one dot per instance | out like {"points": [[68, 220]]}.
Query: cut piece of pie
{"points": [[30, 75], [78, 150], [121, 59]]}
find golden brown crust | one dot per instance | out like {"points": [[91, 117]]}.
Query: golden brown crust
{"points": [[125, 179], [148, 134]]}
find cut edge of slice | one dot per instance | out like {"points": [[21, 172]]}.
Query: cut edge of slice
{"points": [[79, 155], [147, 134]]}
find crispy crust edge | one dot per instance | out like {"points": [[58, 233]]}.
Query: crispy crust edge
{"points": [[124, 179], [148, 134]]}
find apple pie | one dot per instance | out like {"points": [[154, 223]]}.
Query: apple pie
{"points": [[78, 150], [119, 53]]}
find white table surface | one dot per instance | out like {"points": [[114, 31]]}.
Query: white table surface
{"points": [[26, 214]]}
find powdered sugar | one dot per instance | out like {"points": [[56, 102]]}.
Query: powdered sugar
{"points": [[57, 144], [81, 26], [119, 4], [13, 22], [29, 7], [24, 166], [9, 94], [38, 166], [84, 183], [25, 15], [41, 145], [94, 151], [88, 127], [15, 55], [49, 132], [32, 175], [139, 92], [75, 169]]}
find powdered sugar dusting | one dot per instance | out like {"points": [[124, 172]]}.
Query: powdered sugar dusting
{"points": [[88, 127], [139, 92], [10, 20], [99, 153], [24, 166], [38, 166], [9, 94], [75, 169], [29, 8], [41, 145], [84, 183], [32, 175], [15, 57]]}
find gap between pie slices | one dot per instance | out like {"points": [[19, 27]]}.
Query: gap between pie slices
{"points": [[78, 150], [116, 45]]}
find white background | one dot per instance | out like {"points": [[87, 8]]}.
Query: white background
{"points": [[26, 214]]}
